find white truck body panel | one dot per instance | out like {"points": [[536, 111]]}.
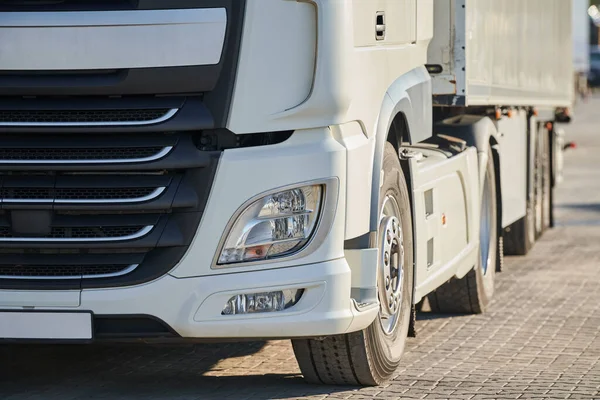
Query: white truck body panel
{"points": [[281, 86], [446, 193], [512, 139], [502, 52], [86, 40]]}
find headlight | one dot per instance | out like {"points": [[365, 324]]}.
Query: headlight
{"points": [[275, 226]]}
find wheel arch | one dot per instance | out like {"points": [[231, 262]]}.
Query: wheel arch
{"points": [[405, 116]]}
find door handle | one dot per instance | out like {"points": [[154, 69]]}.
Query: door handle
{"points": [[380, 25]]}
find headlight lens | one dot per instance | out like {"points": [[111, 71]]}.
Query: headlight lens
{"points": [[275, 226]]}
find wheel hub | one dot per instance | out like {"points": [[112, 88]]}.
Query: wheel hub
{"points": [[391, 261]]}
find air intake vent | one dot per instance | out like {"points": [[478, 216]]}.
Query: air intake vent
{"points": [[84, 117], [64, 271], [84, 155], [34, 195], [77, 233]]}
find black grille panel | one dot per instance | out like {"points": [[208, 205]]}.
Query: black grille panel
{"points": [[64, 271], [100, 194], [80, 116], [78, 154], [110, 194], [91, 232]]}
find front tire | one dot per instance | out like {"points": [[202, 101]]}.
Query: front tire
{"points": [[371, 356]]}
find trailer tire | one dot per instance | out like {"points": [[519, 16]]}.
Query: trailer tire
{"points": [[370, 357], [519, 237], [538, 184], [472, 294]]}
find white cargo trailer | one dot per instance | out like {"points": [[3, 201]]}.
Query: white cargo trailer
{"points": [[180, 170], [491, 52]]}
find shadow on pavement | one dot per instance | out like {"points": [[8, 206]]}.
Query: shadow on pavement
{"points": [[583, 206], [148, 372], [426, 316]]}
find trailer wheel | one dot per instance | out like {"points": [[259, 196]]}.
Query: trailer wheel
{"points": [[472, 293], [519, 237], [538, 182], [370, 357]]}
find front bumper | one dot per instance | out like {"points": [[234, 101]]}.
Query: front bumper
{"points": [[191, 307], [189, 299]]}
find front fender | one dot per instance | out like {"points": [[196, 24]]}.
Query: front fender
{"points": [[408, 98]]}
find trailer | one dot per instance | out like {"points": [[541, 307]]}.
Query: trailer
{"points": [[188, 170]]}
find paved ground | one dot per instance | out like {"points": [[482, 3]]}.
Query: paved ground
{"points": [[540, 339]]}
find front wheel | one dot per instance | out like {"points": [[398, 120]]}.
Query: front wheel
{"points": [[371, 356]]}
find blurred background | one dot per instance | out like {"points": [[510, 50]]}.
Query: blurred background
{"points": [[586, 46]]}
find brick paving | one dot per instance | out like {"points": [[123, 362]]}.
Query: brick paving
{"points": [[539, 340]]}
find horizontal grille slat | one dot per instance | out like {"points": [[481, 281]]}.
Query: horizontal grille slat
{"points": [[79, 154], [96, 194], [78, 233], [100, 153], [83, 117], [64, 272], [99, 194]]}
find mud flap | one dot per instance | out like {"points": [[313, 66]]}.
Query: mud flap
{"points": [[412, 327]]}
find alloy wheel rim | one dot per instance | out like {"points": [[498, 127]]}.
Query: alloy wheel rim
{"points": [[390, 266]]}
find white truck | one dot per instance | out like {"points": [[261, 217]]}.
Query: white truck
{"points": [[183, 170]]}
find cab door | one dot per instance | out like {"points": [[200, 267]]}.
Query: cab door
{"points": [[386, 22]]}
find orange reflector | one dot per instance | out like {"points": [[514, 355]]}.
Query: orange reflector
{"points": [[444, 220], [498, 113], [535, 112], [510, 113]]}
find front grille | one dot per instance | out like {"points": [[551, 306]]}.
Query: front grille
{"points": [[82, 117], [97, 220]]}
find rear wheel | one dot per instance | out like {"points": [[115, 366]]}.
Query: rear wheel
{"points": [[370, 356], [472, 293], [538, 185]]}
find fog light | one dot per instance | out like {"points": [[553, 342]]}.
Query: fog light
{"points": [[262, 302]]}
